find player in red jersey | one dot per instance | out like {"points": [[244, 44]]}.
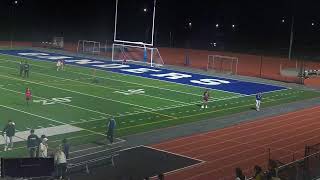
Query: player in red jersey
{"points": [[205, 99], [28, 95]]}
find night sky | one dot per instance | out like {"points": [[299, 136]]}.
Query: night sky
{"points": [[257, 24]]}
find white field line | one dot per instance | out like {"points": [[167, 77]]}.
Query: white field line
{"points": [[138, 84], [76, 92], [198, 114], [74, 137], [152, 111], [176, 154], [105, 87], [46, 118], [90, 110], [170, 107], [130, 76], [131, 83]]}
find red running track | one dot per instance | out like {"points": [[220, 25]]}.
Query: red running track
{"points": [[246, 145]]}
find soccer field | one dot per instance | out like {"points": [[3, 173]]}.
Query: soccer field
{"points": [[77, 102]]}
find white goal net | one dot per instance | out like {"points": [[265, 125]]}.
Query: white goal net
{"points": [[137, 54], [58, 42], [90, 47], [223, 64]]}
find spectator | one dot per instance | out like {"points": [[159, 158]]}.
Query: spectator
{"points": [[8, 134], [61, 163], [43, 147], [66, 147], [258, 174], [239, 174], [32, 143], [110, 132], [272, 173], [161, 176]]}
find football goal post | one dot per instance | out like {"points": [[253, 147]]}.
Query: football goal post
{"points": [[137, 53], [89, 47], [223, 64]]}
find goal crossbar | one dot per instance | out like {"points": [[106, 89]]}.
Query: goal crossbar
{"points": [[127, 51]]}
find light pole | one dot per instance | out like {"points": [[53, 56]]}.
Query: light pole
{"points": [[12, 15], [291, 38]]}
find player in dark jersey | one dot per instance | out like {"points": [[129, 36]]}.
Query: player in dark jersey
{"points": [[206, 96], [26, 69], [28, 95]]}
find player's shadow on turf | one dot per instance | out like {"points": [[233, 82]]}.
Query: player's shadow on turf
{"points": [[253, 108]]}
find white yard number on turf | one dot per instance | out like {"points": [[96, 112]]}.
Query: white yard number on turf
{"points": [[131, 92], [53, 101]]}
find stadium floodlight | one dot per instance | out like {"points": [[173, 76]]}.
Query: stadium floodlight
{"points": [[223, 64]]}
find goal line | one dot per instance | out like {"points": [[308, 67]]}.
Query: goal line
{"points": [[139, 53]]}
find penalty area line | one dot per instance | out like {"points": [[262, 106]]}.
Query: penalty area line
{"points": [[46, 118]]}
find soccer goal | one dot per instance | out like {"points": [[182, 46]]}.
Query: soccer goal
{"points": [[90, 47], [137, 53], [58, 42], [223, 64]]}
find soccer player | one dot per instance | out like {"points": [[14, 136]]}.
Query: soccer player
{"points": [[28, 95], [26, 69], [8, 133], [21, 66], [258, 100], [205, 99], [59, 64], [110, 131]]}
